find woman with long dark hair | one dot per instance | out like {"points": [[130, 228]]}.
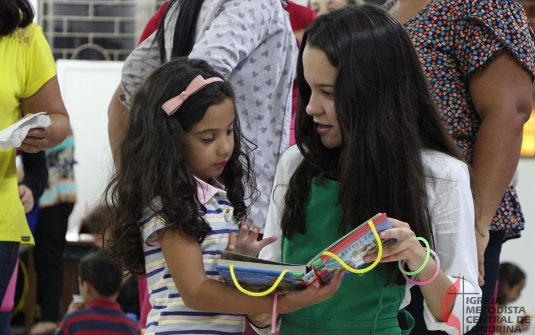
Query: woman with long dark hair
{"points": [[369, 140]]}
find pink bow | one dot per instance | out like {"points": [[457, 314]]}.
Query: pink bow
{"points": [[198, 83]]}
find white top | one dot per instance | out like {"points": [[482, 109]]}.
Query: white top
{"points": [[452, 216], [250, 42]]}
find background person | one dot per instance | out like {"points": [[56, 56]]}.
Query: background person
{"points": [[479, 60], [259, 63], [99, 281], [30, 86]]}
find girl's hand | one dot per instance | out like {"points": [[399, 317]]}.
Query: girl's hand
{"points": [[312, 295], [406, 248], [246, 242]]}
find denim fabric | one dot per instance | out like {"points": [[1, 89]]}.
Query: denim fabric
{"points": [[5, 323], [9, 253]]}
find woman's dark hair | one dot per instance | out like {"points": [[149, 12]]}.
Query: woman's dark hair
{"points": [[509, 275], [386, 115], [153, 165], [14, 14], [186, 24]]}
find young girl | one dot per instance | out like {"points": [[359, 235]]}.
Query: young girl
{"points": [[369, 140], [180, 189]]}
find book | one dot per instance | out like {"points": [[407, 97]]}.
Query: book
{"points": [[258, 275]]}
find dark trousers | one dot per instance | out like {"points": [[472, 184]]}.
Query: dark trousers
{"points": [[9, 253], [48, 255], [492, 263]]}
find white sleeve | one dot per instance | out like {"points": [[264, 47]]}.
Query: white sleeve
{"points": [[285, 168], [452, 215]]}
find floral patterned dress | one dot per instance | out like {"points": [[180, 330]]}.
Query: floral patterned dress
{"points": [[454, 39]]}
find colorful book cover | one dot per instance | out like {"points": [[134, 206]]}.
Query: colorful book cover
{"points": [[351, 249], [258, 275]]}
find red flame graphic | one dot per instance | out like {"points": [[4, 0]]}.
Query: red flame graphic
{"points": [[451, 294]]}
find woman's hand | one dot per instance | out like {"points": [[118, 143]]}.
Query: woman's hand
{"points": [[295, 300], [246, 242], [406, 248], [36, 140], [313, 294]]}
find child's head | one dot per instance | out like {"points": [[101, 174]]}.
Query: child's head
{"points": [[97, 221], [196, 134], [98, 277], [325, 6], [511, 281]]}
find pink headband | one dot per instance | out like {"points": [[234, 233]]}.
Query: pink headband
{"points": [[197, 84]]}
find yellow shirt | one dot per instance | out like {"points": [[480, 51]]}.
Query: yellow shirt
{"points": [[26, 65]]}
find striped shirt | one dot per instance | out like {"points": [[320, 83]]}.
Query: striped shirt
{"points": [[169, 314], [100, 317]]}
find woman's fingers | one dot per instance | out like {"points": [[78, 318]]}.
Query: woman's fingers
{"points": [[36, 140]]}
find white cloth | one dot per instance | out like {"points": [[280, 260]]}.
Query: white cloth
{"points": [[252, 45], [12, 136], [452, 217]]}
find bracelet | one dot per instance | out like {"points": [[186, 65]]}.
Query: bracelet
{"points": [[437, 260], [400, 265], [274, 315]]}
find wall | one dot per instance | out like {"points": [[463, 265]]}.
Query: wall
{"points": [[87, 87], [521, 251]]}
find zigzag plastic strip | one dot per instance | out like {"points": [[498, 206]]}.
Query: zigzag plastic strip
{"points": [[369, 268], [326, 253], [255, 294]]}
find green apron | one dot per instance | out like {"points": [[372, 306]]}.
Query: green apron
{"points": [[363, 304]]}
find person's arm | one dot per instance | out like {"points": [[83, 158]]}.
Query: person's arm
{"points": [[409, 249], [452, 216], [41, 94], [35, 179], [117, 114], [35, 172], [47, 98], [501, 93], [183, 256]]}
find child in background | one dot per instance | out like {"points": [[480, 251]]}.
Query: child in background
{"points": [[511, 282], [128, 298], [369, 140], [99, 281], [178, 194]]}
